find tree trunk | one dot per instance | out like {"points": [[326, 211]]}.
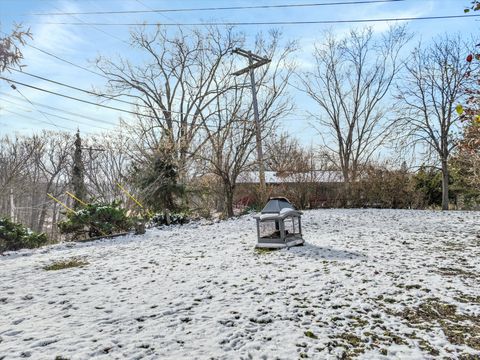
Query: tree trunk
{"points": [[444, 185], [229, 190], [41, 220]]}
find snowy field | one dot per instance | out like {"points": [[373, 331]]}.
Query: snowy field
{"points": [[369, 284]]}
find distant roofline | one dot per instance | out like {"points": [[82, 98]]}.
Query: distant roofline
{"points": [[271, 177]]}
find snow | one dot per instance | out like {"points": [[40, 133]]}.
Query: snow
{"points": [[201, 291]]}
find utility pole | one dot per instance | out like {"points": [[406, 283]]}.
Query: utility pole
{"points": [[12, 206], [255, 61]]}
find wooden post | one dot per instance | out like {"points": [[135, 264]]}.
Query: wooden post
{"points": [[255, 61], [12, 206]]}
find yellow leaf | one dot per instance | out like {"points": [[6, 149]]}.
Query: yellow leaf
{"points": [[459, 109]]}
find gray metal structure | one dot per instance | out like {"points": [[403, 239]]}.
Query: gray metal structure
{"points": [[279, 225], [254, 61]]}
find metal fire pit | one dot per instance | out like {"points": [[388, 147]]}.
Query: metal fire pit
{"points": [[279, 225]]}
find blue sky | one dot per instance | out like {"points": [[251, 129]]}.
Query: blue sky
{"points": [[82, 44]]}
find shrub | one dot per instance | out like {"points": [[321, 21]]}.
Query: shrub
{"points": [[96, 219], [165, 218], [251, 209], [158, 181], [14, 236], [380, 187]]}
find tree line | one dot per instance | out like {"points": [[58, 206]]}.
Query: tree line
{"points": [[193, 134]]}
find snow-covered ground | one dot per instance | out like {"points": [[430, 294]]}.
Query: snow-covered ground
{"points": [[370, 284]]}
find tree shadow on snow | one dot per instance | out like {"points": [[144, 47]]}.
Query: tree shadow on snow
{"points": [[325, 253]]}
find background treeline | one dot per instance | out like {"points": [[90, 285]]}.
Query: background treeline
{"points": [[34, 166], [192, 141]]}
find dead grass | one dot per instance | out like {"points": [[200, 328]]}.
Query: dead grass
{"points": [[460, 329], [263, 251], [457, 272], [66, 264]]}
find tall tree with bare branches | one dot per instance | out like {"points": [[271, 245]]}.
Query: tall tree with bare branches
{"points": [[350, 79], [436, 76], [229, 129], [174, 86]]}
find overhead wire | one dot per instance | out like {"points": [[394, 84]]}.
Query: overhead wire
{"points": [[59, 116], [66, 61], [61, 110], [79, 67], [98, 29], [149, 8], [103, 106], [256, 23], [49, 121], [221, 8], [37, 120], [75, 99], [65, 128], [88, 91]]}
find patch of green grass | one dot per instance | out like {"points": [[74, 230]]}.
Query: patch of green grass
{"points": [[459, 329], [351, 339], [263, 251], [390, 300], [464, 298], [66, 264], [446, 271], [358, 322], [427, 347], [413, 286]]}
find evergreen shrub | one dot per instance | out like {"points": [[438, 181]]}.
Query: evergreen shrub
{"points": [[14, 236]]}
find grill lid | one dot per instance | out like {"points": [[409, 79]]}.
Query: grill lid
{"points": [[276, 204]]}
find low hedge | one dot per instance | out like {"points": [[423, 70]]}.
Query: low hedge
{"points": [[15, 236], [96, 219]]}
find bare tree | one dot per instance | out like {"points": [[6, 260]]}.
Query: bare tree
{"points": [[286, 156], [295, 166], [433, 86], [31, 167], [10, 52], [230, 144], [174, 86], [14, 157], [350, 79], [53, 163], [229, 129], [107, 159]]}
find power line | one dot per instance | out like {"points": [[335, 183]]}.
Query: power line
{"points": [[149, 8], [95, 104], [49, 121], [85, 69], [66, 61], [57, 116], [86, 117], [35, 119], [88, 91], [75, 88], [58, 126], [100, 30], [74, 98], [251, 7], [248, 23]]}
